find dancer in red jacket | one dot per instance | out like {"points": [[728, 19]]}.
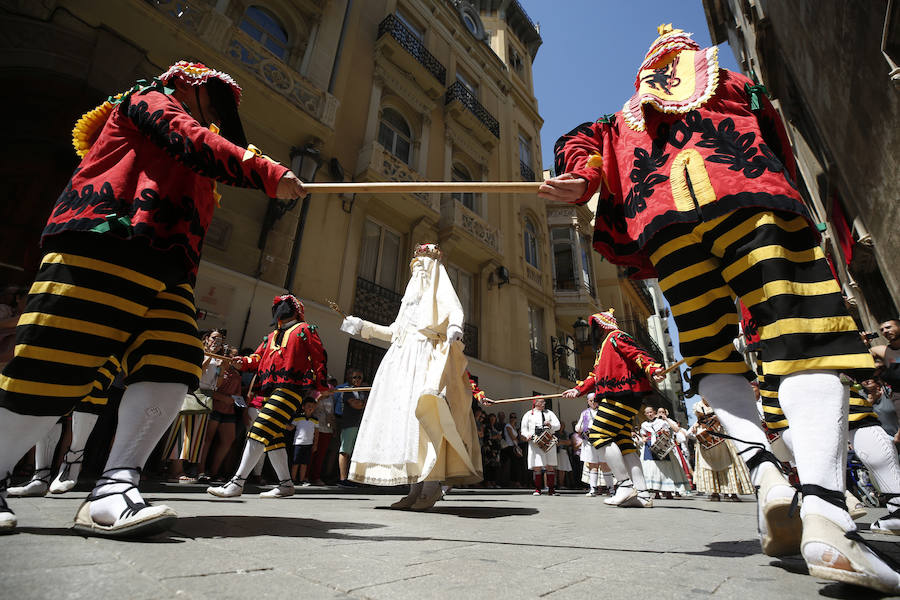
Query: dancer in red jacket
{"points": [[697, 187], [290, 362], [620, 379], [121, 250]]}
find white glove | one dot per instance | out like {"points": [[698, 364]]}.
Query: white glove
{"points": [[454, 333], [352, 325]]}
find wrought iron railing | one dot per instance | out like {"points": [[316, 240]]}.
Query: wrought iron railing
{"points": [[526, 172], [458, 91], [470, 340], [375, 303], [409, 42], [567, 372], [573, 285], [540, 364], [639, 332]]}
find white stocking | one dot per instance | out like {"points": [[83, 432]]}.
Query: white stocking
{"points": [[18, 433], [608, 479], [82, 426], [633, 464], [279, 460], [253, 454], [815, 405], [875, 449], [43, 450], [612, 456], [592, 478], [733, 399], [145, 413]]}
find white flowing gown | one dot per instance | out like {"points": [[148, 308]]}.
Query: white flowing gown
{"points": [[418, 423]]}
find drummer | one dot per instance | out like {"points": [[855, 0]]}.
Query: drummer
{"points": [[717, 468], [538, 425]]}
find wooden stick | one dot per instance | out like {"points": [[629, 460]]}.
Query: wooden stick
{"points": [[408, 187], [219, 356], [523, 399], [351, 389], [673, 367]]}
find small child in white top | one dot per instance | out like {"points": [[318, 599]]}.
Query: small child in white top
{"points": [[306, 434]]}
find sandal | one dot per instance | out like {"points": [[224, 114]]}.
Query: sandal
{"points": [[62, 483], [137, 519]]}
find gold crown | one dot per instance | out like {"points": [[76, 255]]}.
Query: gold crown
{"points": [[429, 250]]}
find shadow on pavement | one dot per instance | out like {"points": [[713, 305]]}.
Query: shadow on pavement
{"points": [[235, 526], [483, 512]]}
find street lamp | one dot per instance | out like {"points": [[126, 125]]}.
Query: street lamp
{"points": [[582, 330]]}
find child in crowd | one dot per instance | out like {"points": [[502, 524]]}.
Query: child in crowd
{"points": [[306, 434]]}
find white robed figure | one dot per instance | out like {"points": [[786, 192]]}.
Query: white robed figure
{"points": [[418, 425]]}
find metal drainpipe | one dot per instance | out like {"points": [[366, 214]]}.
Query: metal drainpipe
{"points": [[340, 47]]}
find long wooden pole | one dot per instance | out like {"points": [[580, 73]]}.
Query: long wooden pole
{"points": [[673, 367], [524, 398], [407, 187]]}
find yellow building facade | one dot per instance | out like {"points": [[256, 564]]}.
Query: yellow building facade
{"points": [[342, 90]]}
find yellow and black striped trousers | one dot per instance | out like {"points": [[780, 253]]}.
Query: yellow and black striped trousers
{"points": [[88, 310], [772, 262], [276, 414], [614, 423]]}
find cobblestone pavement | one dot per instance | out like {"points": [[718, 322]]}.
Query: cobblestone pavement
{"points": [[334, 543]]}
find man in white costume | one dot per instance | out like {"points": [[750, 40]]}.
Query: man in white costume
{"points": [[418, 427], [534, 422]]}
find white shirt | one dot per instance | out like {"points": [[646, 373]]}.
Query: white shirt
{"points": [[305, 430]]}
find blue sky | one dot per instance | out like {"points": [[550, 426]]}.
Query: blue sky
{"points": [[587, 63]]}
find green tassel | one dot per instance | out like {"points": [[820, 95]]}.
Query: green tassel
{"points": [[754, 91], [115, 224]]}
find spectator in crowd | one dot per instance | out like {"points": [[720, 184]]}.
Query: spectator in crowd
{"points": [[327, 420], [185, 442], [491, 450], [889, 355], [510, 454], [306, 438], [352, 405], [563, 460], [662, 473], [718, 468], [221, 430], [880, 399]]}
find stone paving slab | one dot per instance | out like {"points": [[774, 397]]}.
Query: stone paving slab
{"points": [[333, 543]]}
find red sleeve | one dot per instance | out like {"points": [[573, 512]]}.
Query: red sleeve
{"points": [[585, 386], [167, 124], [477, 393], [318, 360], [251, 363], [628, 348], [583, 153]]}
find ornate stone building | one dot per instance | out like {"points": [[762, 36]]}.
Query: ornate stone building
{"points": [[831, 68], [342, 90]]}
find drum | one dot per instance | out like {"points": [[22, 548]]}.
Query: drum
{"points": [[665, 443], [706, 437], [545, 440]]}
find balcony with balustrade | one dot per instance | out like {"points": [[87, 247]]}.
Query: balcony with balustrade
{"points": [[526, 172], [462, 105], [374, 163], [470, 340], [375, 303], [402, 47]]}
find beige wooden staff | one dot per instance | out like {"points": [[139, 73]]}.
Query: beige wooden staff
{"points": [[525, 398], [409, 187], [672, 367], [220, 357]]}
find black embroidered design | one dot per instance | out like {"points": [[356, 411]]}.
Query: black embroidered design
{"points": [[731, 147], [201, 160], [75, 202], [644, 176]]}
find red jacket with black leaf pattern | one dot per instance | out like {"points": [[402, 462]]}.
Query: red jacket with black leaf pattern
{"points": [[292, 358], [719, 157], [149, 174], [621, 369]]}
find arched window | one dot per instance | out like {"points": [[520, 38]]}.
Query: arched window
{"points": [[265, 28], [394, 134], [460, 173], [531, 244]]}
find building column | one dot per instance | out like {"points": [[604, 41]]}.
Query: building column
{"points": [[374, 109]]}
